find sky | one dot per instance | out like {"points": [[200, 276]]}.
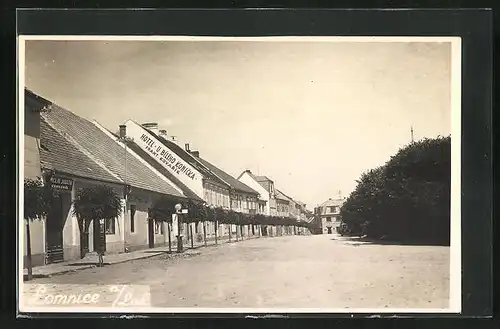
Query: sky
{"points": [[312, 116]]}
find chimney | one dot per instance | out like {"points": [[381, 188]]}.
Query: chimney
{"points": [[153, 126], [163, 134], [195, 153], [174, 139], [123, 131], [186, 147]]}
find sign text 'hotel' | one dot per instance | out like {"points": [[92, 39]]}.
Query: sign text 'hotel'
{"points": [[166, 157]]}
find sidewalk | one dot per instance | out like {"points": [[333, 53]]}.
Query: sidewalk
{"points": [[91, 259]]}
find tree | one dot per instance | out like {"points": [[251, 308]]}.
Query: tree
{"points": [[93, 204], [196, 213], [161, 211], [37, 203], [407, 199]]}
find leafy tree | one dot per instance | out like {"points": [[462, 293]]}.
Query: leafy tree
{"points": [[93, 204], [162, 209], [407, 199], [222, 215], [211, 214], [37, 203]]}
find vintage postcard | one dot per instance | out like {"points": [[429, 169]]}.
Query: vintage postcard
{"points": [[239, 175]]}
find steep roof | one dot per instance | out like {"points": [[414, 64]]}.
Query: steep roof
{"points": [[59, 154], [263, 178], [33, 100], [281, 196], [233, 182], [153, 163], [184, 155], [107, 151], [264, 181], [302, 204], [332, 202]]}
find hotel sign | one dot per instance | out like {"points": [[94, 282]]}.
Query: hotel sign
{"points": [[166, 157], [62, 184]]}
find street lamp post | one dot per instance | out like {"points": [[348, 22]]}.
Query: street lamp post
{"points": [[178, 208]]}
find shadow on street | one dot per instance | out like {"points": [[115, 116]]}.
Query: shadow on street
{"points": [[366, 240]]}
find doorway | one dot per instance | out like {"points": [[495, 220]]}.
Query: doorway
{"points": [[151, 233], [84, 243], [99, 235], [329, 230], [55, 224]]}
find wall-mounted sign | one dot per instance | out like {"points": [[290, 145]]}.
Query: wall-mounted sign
{"points": [[166, 157], [62, 184]]}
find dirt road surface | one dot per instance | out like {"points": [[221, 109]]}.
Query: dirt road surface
{"points": [[322, 271]]}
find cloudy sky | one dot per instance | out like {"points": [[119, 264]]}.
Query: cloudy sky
{"points": [[310, 115]]}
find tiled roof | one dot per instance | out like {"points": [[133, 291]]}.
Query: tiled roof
{"points": [[107, 151], [332, 202], [286, 196], [302, 204], [188, 158], [233, 182], [57, 153], [262, 178], [264, 181], [146, 157], [281, 196], [33, 100]]}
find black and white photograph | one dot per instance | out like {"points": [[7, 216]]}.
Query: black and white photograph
{"points": [[239, 174]]}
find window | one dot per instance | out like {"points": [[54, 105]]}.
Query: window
{"points": [[207, 196], [328, 219], [132, 218], [110, 226]]}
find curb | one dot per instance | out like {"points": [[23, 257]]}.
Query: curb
{"points": [[86, 267]]}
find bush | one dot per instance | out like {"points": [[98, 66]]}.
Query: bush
{"points": [[407, 199]]}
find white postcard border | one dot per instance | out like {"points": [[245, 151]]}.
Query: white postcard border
{"points": [[455, 227]]}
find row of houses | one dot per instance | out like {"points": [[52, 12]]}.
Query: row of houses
{"points": [[141, 163]]}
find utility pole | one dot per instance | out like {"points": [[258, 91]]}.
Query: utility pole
{"points": [[412, 140]]}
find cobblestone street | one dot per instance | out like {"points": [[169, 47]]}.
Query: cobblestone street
{"points": [[322, 271]]}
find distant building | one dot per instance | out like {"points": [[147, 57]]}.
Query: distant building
{"points": [[328, 214], [265, 187]]}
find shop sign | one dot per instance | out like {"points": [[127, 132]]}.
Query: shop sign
{"points": [[61, 184]]}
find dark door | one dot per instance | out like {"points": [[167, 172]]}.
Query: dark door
{"points": [[151, 233], [329, 230], [55, 222], [84, 244], [99, 236]]}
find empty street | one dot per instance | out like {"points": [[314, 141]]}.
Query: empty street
{"points": [[323, 271]]}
